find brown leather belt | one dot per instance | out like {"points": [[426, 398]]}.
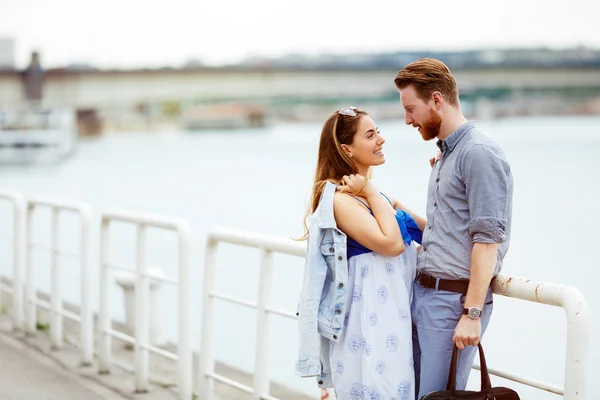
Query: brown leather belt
{"points": [[449, 285]]}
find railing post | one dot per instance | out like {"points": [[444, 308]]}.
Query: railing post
{"points": [[19, 246], [207, 362], [30, 306], [578, 337], [56, 319], [104, 359], [576, 310], [87, 318], [261, 366], [141, 313], [184, 352]]}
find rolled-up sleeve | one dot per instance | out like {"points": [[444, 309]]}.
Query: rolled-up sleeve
{"points": [[488, 184]]}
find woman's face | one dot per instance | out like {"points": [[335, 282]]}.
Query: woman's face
{"points": [[367, 147]]}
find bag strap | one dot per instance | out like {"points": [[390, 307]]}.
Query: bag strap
{"points": [[486, 383]]}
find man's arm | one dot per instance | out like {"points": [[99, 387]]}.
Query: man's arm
{"points": [[483, 262], [488, 183]]}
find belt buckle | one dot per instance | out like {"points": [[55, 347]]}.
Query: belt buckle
{"points": [[426, 280]]}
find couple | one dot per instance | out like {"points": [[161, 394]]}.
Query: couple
{"points": [[379, 316]]}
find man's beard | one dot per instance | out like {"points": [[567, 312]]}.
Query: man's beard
{"points": [[430, 128]]}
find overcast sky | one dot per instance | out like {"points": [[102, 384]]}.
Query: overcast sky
{"points": [[134, 33]]}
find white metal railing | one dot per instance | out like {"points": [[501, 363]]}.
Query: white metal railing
{"points": [[576, 310], [85, 317], [18, 242], [142, 280], [267, 245], [570, 299]]}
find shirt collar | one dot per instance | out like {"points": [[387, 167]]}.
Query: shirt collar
{"points": [[454, 137]]}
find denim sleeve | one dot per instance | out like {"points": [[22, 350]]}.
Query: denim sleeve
{"points": [[315, 272], [488, 184]]}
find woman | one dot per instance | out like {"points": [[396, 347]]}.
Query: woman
{"points": [[354, 311]]}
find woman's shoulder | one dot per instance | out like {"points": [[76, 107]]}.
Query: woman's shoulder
{"points": [[346, 200]]}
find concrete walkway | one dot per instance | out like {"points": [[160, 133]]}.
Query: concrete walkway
{"points": [[28, 374]]}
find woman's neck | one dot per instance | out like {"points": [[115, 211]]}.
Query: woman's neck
{"points": [[364, 171]]}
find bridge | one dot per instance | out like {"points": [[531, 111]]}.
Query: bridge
{"points": [[126, 88]]}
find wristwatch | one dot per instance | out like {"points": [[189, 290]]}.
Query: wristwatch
{"points": [[472, 312]]}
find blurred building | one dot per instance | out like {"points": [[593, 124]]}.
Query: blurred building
{"points": [[7, 53]]}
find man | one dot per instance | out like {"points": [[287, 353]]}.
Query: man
{"points": [[469, 210]]}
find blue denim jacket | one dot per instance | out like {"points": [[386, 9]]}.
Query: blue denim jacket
{"points": [[322, 309]]}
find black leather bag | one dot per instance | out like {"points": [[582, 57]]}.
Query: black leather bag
{"points": [[487, 392]]}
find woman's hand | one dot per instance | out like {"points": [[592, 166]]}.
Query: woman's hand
{"points": [[356, 184], [435, 159]]}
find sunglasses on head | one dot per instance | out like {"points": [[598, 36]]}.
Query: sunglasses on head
{"points": [[349, 111]]}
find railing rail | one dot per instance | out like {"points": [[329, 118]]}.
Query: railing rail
{"points": [[142, 281], [18, 260], [566, 297], [85, 318]]}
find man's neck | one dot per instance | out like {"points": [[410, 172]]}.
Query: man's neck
{"points": [[451, 123]]}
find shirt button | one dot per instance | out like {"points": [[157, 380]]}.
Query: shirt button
{"points": [[430, 227], [320, 382], [437, 180], [341, 285], [331, 249], [435, 204], [335, 336], [340, 258], [338, 311], [424, 248]]}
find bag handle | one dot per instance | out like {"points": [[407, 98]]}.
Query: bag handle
{"points": [[486, 383]]}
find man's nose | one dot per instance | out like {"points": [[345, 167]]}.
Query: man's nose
{"points": [[408, 119]]}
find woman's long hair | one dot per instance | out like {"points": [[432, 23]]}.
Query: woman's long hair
{"points": [[333, 162]]}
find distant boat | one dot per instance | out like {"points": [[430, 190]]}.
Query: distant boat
{"points": [[36, 135], [225, 116]]}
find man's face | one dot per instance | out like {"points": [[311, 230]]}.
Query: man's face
{"points": [[420, 114]]}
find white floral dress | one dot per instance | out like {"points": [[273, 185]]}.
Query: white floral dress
{"points": [[373, 358]]}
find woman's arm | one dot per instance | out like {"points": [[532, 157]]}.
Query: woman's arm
{"points": [[379, 234], [421, 221]]}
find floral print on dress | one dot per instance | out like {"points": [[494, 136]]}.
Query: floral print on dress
{"points": [[364, 271], [357, 293], [392, 342], [355, 342], [372, 319], [372, 358], [391, 268], [404, 390], [382, 294]]}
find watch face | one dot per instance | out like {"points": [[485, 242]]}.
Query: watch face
{"points": [[474, 313]]}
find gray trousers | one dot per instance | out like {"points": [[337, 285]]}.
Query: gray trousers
{"points": [[434, 317]]}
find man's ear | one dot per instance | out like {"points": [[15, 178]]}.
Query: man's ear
{"points": [[438, 100], [346, 150]]}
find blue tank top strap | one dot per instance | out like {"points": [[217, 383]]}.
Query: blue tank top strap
{"points": [[387, 199], [365, 204]]}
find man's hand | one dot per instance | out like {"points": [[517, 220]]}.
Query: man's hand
{"points": [[467, 332], [432, 160]]}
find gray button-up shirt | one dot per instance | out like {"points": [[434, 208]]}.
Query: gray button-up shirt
{"points": [[469, 200]]}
